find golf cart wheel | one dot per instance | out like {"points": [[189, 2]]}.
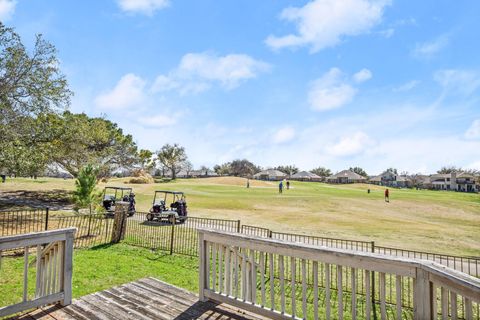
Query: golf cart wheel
{"points": [[131, 213], [149, 216]]}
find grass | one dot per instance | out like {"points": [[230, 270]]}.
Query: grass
{"points": [[437, 221], [103, 267]]}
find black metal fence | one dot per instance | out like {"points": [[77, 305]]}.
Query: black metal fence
{"points": [[181, 238]]}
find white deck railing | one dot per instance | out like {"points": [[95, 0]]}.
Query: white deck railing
{"points": [[53, 264], [285, 280]]}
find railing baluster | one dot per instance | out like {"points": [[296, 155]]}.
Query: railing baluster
{"points": [[262, 277], [398, 284], [453, 305], [208, 247], [368, 298], [214, 266], [253, 280], [25, 274], [315, 290], [340, 292], [272, 282], [235, 272], [38, 282], [227, 272], [444, 303], [304, 289], [244, 276], [468, 309], [327, 291], [383, 308], [354, 293], [293, 267], [282, 283], [220, 268]]}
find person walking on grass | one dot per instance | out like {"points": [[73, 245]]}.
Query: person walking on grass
{"points": [[387, 195], [280, 187]]}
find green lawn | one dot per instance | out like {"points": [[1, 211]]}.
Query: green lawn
{"points": [[437, 221], [103, 267]]}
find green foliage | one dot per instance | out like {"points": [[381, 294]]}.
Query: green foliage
{"points": [[172, 157], [32, 89], [322, 172], [359, 171], [449, 169], [87, 140], [392, 171], [84, 194], [289, 169], [146, 159], [237, 168]]}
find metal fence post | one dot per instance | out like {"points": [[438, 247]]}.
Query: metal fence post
{"points": [[172, 236], [46, 218]]}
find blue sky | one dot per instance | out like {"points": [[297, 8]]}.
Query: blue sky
{"points": [[370, 83]]}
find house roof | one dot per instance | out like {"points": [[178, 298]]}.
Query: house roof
{"points": [[347, 174], [377, 178], [270, 173], [305, 175]]}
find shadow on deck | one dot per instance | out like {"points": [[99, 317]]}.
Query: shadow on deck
{"points": [[146, 298]]}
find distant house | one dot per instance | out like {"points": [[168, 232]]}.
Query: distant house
{"points": [[305, 176], [390, 179], [270, 174], [455, 181], [196, 173], [346, 176]]}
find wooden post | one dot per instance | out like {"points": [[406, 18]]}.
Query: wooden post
{"points": [[46, 219], [202, 279], [68, 269], [172, 234], [238, 226], [422, 294], [120, 221]]}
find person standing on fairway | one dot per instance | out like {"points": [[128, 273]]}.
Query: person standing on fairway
{"points": [[280, 187], [288, 185], [387, 195]]}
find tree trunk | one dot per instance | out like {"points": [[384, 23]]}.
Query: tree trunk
{"points": [[174, 173]]}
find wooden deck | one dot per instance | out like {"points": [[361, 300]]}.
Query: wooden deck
{"points": [[146, 298]]}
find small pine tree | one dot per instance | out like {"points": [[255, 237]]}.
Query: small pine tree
{"points": [[84, 194]]}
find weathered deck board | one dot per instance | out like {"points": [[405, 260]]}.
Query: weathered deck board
{"points": [[146, 298]]}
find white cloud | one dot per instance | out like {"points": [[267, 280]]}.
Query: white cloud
{"points": [[147, 7], [429, 49], [362, 75], [474, 131], [128, 92], [463, 82], [197, 72], [351, 145], [7, 8], [324, 23], [159, 120], [330, 91], [387, 33], [407, 86], [283, 135]]}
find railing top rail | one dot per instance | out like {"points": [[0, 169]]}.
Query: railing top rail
{"points": [[370, 261], [34, 238]]}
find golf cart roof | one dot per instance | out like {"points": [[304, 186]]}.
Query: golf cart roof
{"points": [[170, 192], [119, 188]]}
